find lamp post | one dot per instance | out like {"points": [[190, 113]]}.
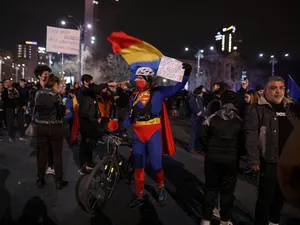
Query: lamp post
{"points": [[199, 55], [273, 60], [2, 62], [81, 29]]}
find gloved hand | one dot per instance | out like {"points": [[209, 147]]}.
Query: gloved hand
{"points": [[188, 69]]}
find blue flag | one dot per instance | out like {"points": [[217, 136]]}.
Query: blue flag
{"points": [[294, 89]]}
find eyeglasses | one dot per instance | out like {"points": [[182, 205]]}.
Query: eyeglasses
{"points": [[274, 88]]}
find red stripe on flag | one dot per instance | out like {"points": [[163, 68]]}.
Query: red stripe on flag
{"points": [[120, 40]]}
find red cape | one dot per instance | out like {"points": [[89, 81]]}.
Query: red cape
{"points": [[76, 126], [168, 145]]}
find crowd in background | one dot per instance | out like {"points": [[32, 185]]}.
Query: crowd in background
{"points": [[226, 125]]}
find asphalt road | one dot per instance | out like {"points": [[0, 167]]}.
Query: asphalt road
{"points": [[184, 185]]}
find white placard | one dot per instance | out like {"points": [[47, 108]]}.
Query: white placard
{"points": [[66, 41], [171, 69]]}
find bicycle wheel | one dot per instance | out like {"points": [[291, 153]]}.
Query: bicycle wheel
{"points": [[78, 191], [100, 184]]}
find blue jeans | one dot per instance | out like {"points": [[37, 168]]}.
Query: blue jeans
{"points": [[196, 130]]}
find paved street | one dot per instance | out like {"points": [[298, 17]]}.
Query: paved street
{"points": [[184, 185]]}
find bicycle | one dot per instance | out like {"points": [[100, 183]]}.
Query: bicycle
{"points": [[101, 182]]}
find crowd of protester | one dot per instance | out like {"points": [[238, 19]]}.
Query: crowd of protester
{"points": [[225, 125]]}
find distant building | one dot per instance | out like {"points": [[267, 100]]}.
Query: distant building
{"points": [[218, 67], [26, 61], [227, 40], [90, 17]]}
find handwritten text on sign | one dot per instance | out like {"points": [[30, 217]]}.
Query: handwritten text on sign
{"points": [[66, 41], [171, 69]]}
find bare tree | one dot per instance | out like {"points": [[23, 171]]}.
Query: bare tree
{"points": [[114, 68], [119, 69]]}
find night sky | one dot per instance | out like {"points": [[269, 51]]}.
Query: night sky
{"points": [[268, 26]]}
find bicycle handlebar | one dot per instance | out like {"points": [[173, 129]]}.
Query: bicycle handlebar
{"points": [[119, 136]]}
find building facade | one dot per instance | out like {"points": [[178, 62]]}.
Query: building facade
{"points": [[224, 68], [25, 62]]}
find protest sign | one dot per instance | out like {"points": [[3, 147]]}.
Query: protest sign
{"points": [[66, 41], [171, 69]]}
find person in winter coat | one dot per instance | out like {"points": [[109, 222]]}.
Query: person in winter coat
{"points": [[48, 116], [289, 168], [222, 150], [268, 125], [197, 116]]}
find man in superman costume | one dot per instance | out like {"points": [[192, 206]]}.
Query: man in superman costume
{"points": [[152, 133]]}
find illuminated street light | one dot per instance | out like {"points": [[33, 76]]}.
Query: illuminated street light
{"points": [[89, 26], [92, 41], [198, 55], [93, 38], [261, 55], [211, 48], [63, 22], [235, 48], [272, 56], [286, 55]]}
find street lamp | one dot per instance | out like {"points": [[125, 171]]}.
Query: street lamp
{"points": [[286, 55], [198, 55], [63, 22], [261, 55], [211, 48], [273, 61]]}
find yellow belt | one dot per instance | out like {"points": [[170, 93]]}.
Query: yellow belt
{"points": [[149, 122]]}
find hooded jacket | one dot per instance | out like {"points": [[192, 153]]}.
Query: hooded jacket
{"points": [[220, 142]]}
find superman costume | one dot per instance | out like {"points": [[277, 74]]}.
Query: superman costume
{"points": [[151, 130]]}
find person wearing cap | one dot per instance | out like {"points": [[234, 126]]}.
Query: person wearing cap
{"points": [[151, 128]]}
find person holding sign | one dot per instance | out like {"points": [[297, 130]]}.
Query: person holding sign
{"points": [[147, 111], [148, 115]]}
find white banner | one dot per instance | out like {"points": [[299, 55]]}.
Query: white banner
{"points": [[66, 41], [171, 69]]}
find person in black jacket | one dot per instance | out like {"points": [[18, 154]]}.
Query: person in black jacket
{"points": [[49, 119], [221, 146], [41, 73], [197, 117], [14, 109], [268, 125], [122, 103], [89, 119]]}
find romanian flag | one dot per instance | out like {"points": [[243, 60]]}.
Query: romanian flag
{"points": [[76, 125], [136, 52]]}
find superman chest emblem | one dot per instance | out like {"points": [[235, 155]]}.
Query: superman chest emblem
{"points": [[145, 98]]}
